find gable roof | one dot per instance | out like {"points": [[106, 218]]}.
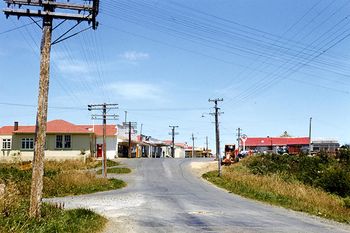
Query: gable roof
{"points": [[111, 130], [55, 126], [277, 141], [178, 144]]}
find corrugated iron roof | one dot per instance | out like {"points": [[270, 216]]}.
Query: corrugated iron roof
{"points": [[277, 141]]}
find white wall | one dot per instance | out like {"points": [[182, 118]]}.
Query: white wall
{"points": [[49, 155], [112, 146], [179, 153]]}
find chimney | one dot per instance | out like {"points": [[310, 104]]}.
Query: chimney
{"points": [[15, 126]]}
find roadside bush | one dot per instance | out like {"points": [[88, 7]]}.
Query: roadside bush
{"points": [[343, 155], [335, 180], [323, 170]]}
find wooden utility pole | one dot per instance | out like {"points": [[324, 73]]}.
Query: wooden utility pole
{"points": [[239, 130], [217, 132], [41, 119], [193, 138], [48, 11], [206, 143], [104, 116], [310, 127], [173, 139], [129, 148]]}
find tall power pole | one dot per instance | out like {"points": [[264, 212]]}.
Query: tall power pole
{"points": [[193, 138], [173, 139], [125, 116], [217, 132], [104, 117], [239, 130], [129, 147], [206, 143], [310, 135], [48, 11]]}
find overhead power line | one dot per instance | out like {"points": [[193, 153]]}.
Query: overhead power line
{"points": [[19, 27]]}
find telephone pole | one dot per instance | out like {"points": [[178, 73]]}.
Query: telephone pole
{"points": [[129, 148], [217, 132], [48, 11], [193, 138], [239, 130], [206, 143], [125, 116], [104, 117], [310, 135], [173, 139]]}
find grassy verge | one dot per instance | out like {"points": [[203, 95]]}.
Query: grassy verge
{"points": [[77, 164], [275, 190], [116, 170], [60, 179], [53, 220]]}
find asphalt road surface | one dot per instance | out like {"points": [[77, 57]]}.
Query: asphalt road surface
{"points": [[164, 195]]}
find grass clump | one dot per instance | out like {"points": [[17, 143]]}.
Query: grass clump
{"points": [[53, 220], [116, 170], [77, 164], [347, 202], [277, 181], [78, 182], [60, 179]]}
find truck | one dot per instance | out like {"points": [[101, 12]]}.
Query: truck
{"points": [[229, 156]]}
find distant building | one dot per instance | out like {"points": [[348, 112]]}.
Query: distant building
{"points": [[63, 140], [325, 145], [272, 144]]}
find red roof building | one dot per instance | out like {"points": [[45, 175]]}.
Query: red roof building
{"points": [[111, 130], [277, 141], [55, 126], [270, 144]]}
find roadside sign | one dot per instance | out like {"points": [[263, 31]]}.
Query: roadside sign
{"points": [[244, 138]]}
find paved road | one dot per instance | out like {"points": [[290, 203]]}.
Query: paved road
{"points": [[163, 195]]}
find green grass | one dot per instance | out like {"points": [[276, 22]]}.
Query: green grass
{"points": [[273, 189], [60, 179], [116, 170], [110, 163], [53, 220]]}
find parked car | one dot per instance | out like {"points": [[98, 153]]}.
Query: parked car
{"points": [[282, 150]]}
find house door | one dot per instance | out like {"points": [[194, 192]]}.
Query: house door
{"points": [[99, 150]]}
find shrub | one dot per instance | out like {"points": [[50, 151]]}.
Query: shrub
{"points": [[335, 180], [322, 170]]}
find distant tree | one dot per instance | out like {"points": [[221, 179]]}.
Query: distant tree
{"points": [[285, 135]]}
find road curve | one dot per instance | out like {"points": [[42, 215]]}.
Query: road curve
{"points": [[163, 195]]}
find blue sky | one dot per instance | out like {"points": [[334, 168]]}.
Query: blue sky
{"points": [[275, 63]]}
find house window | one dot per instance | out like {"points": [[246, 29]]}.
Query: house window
{"points": [[27, 143], [63, 141], [59, 139], [67, 141], [6, 143]]}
